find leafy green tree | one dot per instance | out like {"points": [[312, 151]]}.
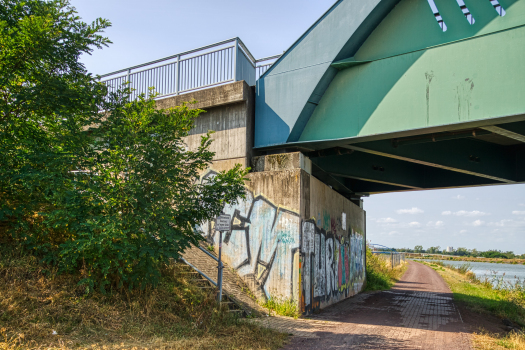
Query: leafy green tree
{"points": [[418, 249], [45, 94], [461, 251], [434, 250], [113, 195], [137, 199]]}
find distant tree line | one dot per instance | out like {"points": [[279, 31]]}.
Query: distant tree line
{"points": [[474, 253]]}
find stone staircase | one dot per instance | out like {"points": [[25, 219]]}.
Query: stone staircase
{"points": [[234, 290]]}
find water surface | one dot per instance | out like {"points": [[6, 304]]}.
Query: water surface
{"points": [[509, 272]]}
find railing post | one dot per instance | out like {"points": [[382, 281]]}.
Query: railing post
{"points": [[178, 75], [235, 59], [128, 80]]}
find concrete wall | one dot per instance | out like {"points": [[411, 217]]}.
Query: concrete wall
{"points": [[289, 239], [230, 114], [332, 246]]}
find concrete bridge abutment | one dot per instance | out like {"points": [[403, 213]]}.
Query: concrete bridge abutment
{"points": [[293, 237]]}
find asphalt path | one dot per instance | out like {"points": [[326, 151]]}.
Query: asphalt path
{"points": [[418, 313]]}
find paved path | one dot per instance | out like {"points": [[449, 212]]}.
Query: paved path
{"points": [[418, 313]]}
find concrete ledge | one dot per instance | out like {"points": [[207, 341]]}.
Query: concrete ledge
{"points": [[283, 161], [211, 97]]}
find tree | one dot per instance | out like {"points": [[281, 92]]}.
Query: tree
{"points": [[113, 195], [45, 94], [433, 250], [138, 198], [418, 249], [461, 251]]}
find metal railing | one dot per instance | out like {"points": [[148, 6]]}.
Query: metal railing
{"points": [[389, 254], [220, 63], [261, 67]]}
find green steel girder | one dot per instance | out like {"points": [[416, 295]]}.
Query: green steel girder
{"points": [[365, 188], [467, 156], [505, 132], [373, 170], [420, 77]]}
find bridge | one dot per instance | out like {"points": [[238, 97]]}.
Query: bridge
{"points": [[377, 96]]}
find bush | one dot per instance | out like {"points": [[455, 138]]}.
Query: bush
{"points": [[135, 201], [379, 273]]}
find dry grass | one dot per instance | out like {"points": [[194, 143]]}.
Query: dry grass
{"points": [[488, 341], [177, 315]]}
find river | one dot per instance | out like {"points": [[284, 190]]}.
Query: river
{"points": [[510, 272]]}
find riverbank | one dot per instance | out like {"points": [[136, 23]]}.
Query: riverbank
{"points": [[468, 259], [482, 297]]}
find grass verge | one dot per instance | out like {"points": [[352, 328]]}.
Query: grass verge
{"points": [[283, 307], [39, 311], [504, 301], [379, 273]]}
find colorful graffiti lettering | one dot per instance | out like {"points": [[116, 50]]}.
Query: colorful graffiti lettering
{"points": [[261, 244], [279, 253], [333, 268]]}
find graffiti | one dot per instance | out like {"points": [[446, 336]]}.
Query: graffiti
{"points": [[261, 244], [333, 268], [278, 253]]}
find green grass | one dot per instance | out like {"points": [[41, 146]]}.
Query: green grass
{"points": [[283, 307], [504, 300], [379, 273]]}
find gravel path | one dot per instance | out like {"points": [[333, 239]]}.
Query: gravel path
{"points": [[418, 313]]}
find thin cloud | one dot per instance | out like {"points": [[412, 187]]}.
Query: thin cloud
{"points": [[463, 231], [458, 197], [410, 211], [470, 213], [478, 223], [414, 224], [435, 224], [386, 221], [473, 213], [516, 212]]}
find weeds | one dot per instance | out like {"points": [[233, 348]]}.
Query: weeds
{"points": [[379, 273], [282, 306], [489, 341], [491, 294], [35, 303]]}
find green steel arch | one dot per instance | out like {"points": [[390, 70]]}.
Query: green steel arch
{"points": [[382, 99]]}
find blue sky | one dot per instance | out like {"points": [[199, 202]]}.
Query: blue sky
{"points": [[482, 218]]}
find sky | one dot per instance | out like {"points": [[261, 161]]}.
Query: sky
{"points": [[483, 217]]}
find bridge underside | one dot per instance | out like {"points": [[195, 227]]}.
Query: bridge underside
{"points": [[475, 156], [414, 105]]}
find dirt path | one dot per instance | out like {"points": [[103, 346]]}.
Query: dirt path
{"points": [[418, 313]]}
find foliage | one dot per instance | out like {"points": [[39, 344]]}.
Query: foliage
{"points": [[282, 306], [491, 295], [135, 202], [176, 315], [418, 249], [45, 92], [434, 250], [379, 274], [488, 341], [115, 195]]}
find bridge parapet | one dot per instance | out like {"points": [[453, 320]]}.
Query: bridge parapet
{"points": [[208, 66]]}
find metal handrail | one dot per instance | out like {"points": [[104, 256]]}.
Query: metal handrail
{"points": [[216, 64], [220, 43], [199, 271]]}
